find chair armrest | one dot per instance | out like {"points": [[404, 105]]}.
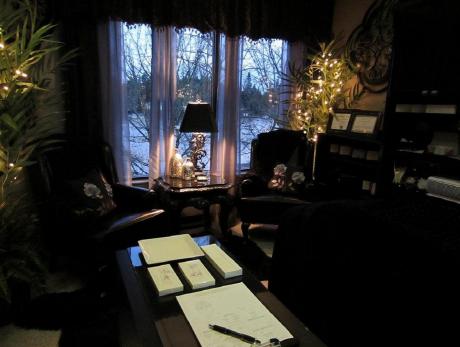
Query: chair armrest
{"points": [[252, 185], [134, 198]]}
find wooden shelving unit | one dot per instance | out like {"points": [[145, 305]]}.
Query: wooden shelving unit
{"points": [[352, 163]]}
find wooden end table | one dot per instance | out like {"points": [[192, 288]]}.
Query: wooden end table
{"points": [[175, 194]]}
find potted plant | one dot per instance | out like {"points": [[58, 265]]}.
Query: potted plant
{"points": [[320, 87], [29, 114]]}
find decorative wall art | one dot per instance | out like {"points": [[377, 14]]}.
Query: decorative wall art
{"points": [[369, 46]]}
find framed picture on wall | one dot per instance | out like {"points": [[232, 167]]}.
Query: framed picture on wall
{"points": [[339, 121], [365, 123]]}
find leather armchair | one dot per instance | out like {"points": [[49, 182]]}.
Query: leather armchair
{"points": [[259, 204], [378, 273], [136, 216]]}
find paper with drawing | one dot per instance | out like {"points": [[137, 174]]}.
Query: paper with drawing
{"points": [[234, 307]]}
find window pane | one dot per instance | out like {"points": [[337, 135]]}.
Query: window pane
{"points": [[194, 80], [261, 68], [137, 59]]}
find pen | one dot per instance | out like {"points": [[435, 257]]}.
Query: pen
{"points": [[243, 337]]}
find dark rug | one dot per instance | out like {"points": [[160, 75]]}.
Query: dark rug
{"points": [[248, 253], [86, 318]]}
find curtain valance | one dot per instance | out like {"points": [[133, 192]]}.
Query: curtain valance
{"points": [[292, 20]]}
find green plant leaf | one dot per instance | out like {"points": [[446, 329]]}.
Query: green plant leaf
{"points": [[8, 120]]}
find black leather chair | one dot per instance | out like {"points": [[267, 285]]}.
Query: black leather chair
{"points": [[136, 216], [259, 204], [372, 272]]}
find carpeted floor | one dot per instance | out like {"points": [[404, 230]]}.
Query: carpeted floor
{"points": [[84, 317], [250, 254]]}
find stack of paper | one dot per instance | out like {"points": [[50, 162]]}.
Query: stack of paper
{"points": [[225, 265], [233, 307], [165, 280], [196, 274]]}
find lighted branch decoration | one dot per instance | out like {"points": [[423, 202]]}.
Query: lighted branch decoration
{"points": [[319, 89]]}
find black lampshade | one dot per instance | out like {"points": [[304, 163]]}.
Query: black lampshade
{"points": [[198, 118]]}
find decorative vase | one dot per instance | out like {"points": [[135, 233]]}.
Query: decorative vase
{"points": [[175, 166], [188, 169]]}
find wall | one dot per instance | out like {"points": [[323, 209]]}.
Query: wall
{"points": [[348, 14]]}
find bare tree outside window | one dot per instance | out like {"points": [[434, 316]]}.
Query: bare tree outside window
{"points": [[261, 71], [137, 59], [195, 51], [261, 66]]}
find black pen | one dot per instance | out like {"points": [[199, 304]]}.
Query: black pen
{"points": [[243, 337]]}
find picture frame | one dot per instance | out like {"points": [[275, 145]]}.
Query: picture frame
{"points": [[340, 121], [365, 123]]}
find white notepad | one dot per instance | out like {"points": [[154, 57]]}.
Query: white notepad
{"points": [[225, 265], [196, 274], [165, 280], [234, 307]]}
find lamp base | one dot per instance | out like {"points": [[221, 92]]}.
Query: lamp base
{"points": [[197, 150]]}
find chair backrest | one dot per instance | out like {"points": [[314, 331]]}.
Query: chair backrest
{"points": [[280, 146], [73, 160]]}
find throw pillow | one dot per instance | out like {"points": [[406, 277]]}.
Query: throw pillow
{"points": [[295, 179], [91, 196], [289, 179], [277, 182]]}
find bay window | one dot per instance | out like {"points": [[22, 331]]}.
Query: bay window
{"points": [[197, 57]]}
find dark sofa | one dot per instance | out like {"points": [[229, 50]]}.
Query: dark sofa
{"points": [[372, 273]]}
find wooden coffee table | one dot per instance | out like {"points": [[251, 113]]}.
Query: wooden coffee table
{"points": [[160, 321]]}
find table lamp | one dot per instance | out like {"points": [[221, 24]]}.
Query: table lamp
{"points": [[198, 119]]}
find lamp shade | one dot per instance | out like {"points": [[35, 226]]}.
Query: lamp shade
{"points": [[198, 118]]}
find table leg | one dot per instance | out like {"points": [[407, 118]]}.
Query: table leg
{"points": [[207, 219], [226, 205], [175, 210]]}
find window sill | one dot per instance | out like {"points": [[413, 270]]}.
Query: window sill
{"points": [[142, 182]]}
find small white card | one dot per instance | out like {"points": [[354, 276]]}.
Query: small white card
{"points": [[196, 274], [345, 150], [334, 148], [165, 280], [372, 155], [225, 265]]}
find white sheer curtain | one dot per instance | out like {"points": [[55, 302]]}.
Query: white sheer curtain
{"points": [[163, 96], [226, 140], [161, 129], [113, 96]]}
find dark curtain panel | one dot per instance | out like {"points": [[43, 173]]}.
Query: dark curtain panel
{"points": [[81, 79], [292, 20]]}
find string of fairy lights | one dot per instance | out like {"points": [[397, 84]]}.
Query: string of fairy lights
{"points": [[17, 73], [319, 92], [9, 77]]}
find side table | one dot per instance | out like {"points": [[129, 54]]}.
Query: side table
{"points": [[175, 194]]}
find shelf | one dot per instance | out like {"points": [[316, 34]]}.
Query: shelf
{"points": [[354, 138], [347, 172], [402, 153], [371, 164]]}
